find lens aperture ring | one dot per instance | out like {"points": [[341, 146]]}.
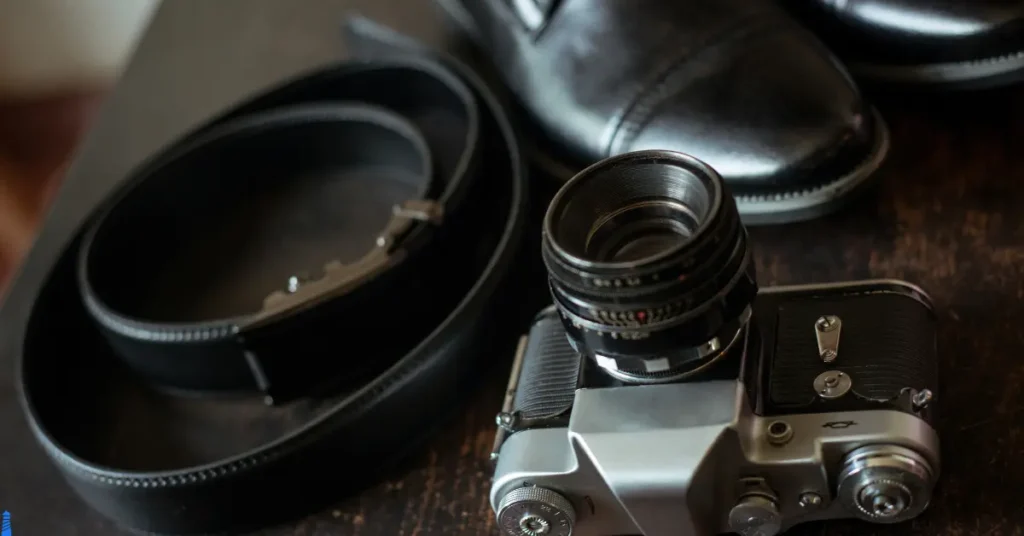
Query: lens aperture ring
{"points": [[656, 305], [676, 329]]}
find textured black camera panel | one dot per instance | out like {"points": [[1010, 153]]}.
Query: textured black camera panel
{"points": [[887, 343], [550, 374]]}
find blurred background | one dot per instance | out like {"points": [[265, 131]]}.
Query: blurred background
{"points": [[58, 58]]}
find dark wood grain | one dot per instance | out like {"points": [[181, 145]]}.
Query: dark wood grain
{"points": [[946, 215]]}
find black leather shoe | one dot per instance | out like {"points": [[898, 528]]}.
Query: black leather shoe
{"points": [[948, 43], [736, 83]]}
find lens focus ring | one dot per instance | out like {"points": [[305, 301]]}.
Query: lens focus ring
{"points": [[648, 262]]}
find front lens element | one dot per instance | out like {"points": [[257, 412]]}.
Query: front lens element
{"points": [[648, 263], [639, 230]]}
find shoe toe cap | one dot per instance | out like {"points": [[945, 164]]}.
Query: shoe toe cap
{"points": [[779, 115]]}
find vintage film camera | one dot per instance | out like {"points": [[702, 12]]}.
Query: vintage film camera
{"points": [[659, 397]]}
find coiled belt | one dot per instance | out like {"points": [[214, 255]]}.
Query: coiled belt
{"points": [[407, 124], [312, 444]]}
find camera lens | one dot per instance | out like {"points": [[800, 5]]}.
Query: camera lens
{"points": [[649, 265]]}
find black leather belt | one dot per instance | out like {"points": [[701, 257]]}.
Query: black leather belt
{"points": [[406, 121], [161, 463]]}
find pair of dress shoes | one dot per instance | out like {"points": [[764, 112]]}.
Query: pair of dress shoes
{"points": [[742, 84]]}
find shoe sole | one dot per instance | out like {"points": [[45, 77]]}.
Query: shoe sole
{"points": [[975, 74], [811, 203]]}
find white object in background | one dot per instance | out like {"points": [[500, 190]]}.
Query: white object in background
{"points": [[52, 46]]}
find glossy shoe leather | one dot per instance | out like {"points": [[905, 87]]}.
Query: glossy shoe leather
{"points": [[951, 43], [736, 83]]}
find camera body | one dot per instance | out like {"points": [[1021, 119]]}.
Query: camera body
{"points": [[821, 409]]}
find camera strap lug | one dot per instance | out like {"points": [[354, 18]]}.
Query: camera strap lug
{"points": [[915, 400], [507, 419]]}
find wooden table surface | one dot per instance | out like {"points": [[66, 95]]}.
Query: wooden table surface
{"points": [[946, 216]]}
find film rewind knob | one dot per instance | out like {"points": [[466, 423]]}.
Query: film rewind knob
{"points": [[532, 511], [885, 483]]}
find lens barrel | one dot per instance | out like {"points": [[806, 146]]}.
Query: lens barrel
{"points": [[649, 265]]}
